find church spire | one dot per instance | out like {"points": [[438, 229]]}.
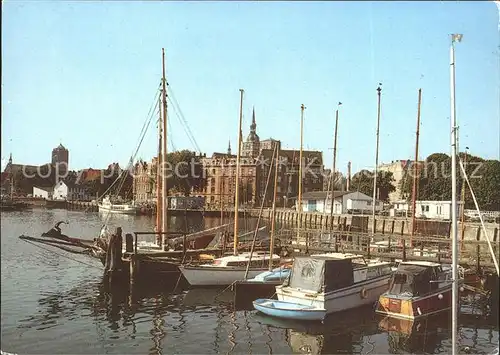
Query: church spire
{"points": [[10, 158], [253, 126], [229, 148]]}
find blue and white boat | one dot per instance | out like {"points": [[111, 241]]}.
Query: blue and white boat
{"points": [[261, 286], [335, 281], [289, 310]]}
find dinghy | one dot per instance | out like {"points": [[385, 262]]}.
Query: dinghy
{"points": [[288, 310]]}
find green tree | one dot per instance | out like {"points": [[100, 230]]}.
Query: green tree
{"points": [[362, 181], [434, 180], [184, 172]]}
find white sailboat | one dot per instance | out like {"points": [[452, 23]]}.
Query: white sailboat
{"points": [[228, 269]]}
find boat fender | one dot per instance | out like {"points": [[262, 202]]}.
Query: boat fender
{"points": [[364, 294]]}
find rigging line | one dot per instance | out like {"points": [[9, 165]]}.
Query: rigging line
{"points": [[148, 117], [493, 256], [184, 125], [183, 118], [171, 138], [122, 175], [64, 256]]}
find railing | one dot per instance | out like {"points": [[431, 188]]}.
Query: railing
{"points": [[391, 246]]}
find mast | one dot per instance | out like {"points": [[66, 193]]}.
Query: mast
{"points": [[273, 215], [379, 89], [164, 156], [159, 198], [299, 200], [237, 192], [462, 201], [415, 170], [334, 157], [454, 300]]}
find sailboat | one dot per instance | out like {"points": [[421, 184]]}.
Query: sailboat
{"points": [[226, 270]]}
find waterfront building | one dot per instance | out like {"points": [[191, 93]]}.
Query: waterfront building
{"points": [[144, 182], [353, 202], [70, 191]]}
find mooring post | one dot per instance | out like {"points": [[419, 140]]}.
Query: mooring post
{"points": [[404, 250], [129, 243]]}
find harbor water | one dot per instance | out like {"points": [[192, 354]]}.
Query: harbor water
{"points": [[54, 302]]}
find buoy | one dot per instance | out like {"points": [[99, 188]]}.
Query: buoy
{"points": [[364, 294]]}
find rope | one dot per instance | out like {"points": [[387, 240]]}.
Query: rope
{"points": [[144, 129], [64, 256], [181, 117]]}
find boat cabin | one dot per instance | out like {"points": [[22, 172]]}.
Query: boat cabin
{"points": [[320, 274], [417, 278]]}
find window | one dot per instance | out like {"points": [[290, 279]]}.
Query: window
{"points": [[438, 208]]}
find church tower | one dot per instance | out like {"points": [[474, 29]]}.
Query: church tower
{"points": [[229, 148], [252, 145]]}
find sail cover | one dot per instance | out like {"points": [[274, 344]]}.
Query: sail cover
{"points": [[318, 274]]}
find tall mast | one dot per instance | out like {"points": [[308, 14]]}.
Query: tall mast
{"points": [[159, 184], [334, 158], [237, 192], [462, 201], [299, 200], [415, 170], [379, 89], [455, 295], [164, 190], [273, 215]]}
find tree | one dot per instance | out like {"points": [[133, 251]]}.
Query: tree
{"points": [[434, 180], [362, 181], [184, 172]]}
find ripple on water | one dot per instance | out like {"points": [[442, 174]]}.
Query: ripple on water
{"points": [[53, 305]]}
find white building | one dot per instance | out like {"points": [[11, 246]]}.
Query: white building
{"points": [[423, 209], [343, 202], [42, 192], [70, 192], [434, 209]]}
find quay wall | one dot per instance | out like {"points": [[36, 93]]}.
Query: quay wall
{"points": [[383, 224]]}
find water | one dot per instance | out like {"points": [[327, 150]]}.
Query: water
{"points": [[57, 304]]}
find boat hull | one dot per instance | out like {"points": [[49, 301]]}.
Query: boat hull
{"points": [[360, 294], [216, 276], [415, 307], [288, 310], [129, 211]]}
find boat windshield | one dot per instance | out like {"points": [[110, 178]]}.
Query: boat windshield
{"points": [[413, 280]]}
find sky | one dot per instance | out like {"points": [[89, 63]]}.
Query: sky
{"points": [[85, 74]]}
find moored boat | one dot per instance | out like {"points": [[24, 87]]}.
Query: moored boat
{"points": [[261, 286], [121, 208], [226, 270], [289, 310], [335, 282], [417, 289]]}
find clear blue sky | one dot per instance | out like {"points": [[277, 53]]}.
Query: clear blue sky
{"points": [[84, 74]]}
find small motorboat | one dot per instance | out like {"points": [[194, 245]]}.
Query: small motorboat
{"points": [[261, 286], [288, 310]]}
